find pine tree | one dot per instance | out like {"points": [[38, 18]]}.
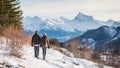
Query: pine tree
{"points": [[10, 13]]}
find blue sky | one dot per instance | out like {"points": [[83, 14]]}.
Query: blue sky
{"points": [[99, 9]]}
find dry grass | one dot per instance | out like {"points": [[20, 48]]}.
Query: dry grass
{"points": [[73, 47], [54, 47], [16, 40]]}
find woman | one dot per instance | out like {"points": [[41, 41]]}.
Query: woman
{"points": [[45, 44]]}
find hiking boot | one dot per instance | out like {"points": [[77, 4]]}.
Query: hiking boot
{"points": [[37, 57], [43, 57]]}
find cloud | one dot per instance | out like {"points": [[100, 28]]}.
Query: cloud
{"points": [[68, 8]]}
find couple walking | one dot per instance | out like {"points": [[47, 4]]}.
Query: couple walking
{"points": [[37, 41]]}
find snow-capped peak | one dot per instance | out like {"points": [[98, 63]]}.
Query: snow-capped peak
{"points": [[80, 14], [35, 18], [110, 20], [112, 23], [83, 17]]}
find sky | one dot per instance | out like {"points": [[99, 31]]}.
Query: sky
{"points": [[99, 9]]}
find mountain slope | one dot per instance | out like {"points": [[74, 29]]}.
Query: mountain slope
{"points": [[104, 38], [102, 33]]}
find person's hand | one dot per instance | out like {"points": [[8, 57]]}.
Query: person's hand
{"points": [[32, 45], [40, 45], [48, 47]]}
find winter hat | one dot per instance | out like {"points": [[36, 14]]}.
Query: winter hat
{"points": [[45, 34], [36, 32]]}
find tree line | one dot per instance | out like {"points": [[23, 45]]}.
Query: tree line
{"points": [[10, 13]]}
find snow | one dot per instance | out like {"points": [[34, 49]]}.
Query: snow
{"points": [[112, 23], [116, 24], [112, 32], [11, 62], [109, 22], [66, 52], [83, 17], [103, 57], [54, 59]]}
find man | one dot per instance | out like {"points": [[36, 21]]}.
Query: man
{"points": [[45, 44], [36, 41]]}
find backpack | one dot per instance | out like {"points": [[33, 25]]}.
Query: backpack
{"points": [[44, 43]]}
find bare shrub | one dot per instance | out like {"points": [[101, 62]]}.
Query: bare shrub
{"points": [[73, 47], [55, 47], [99, 65], [62, 50], [66, 52], [15, 39]]}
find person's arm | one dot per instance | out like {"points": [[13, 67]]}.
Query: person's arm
{"points": [[48, 42], [40, 41], [32, 42]]}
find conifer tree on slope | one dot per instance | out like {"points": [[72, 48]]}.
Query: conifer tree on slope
{"points": [[10, 13]]}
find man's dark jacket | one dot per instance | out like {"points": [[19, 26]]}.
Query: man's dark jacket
{"points": [[36, 39]]}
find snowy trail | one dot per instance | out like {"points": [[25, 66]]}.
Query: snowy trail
{"points": [[54, 59]]}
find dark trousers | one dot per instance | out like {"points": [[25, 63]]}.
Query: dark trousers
{"points": [[36, 51], [44, 50]]}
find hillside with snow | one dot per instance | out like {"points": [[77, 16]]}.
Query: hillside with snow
{"points": [[54, 59], [100, 39]]}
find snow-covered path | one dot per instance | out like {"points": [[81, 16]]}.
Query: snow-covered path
{"points": [[54, 59]]}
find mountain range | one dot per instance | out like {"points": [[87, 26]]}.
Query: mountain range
{"points": [[63, 28]]}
